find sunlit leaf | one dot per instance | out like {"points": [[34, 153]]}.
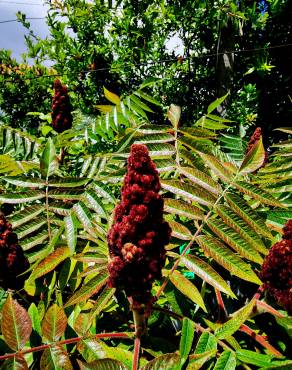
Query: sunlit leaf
{"points": [[232, 325], [16, 324], [54, 323]]}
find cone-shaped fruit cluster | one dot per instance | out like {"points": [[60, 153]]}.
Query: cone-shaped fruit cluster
{"points": [[277, 269], [12, 260], [61, 114], [255, 137], [139, 234]]}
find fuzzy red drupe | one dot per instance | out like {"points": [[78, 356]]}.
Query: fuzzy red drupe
{"points": [[61, 113], [277, 269], [139, 234]]}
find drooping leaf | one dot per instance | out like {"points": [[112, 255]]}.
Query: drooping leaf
{"points": [[54, 323], [226, 258], [49, 162], [93, 202], [50, 262], [254, 159], [226, 361], [232, 325], [207, 273], [30, 242], [16, 324], [186, 340], [55, 358], [35, 318], [187, 288], [88, 289]]}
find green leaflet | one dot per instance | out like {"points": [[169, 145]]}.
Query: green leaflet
{"points": [[88, 289], [207, 273], [38, 239], [201, 179], [31, 226], [226, 258], [258, 194], [232, 325], [71, 223], [215, 165], [182, 208], [191, 192], [206, 342], [240, 226], [67, 182], [187, 288], [180, 231], [234, 240], [254, 159], [26, 182], [250, 216], [93, 202], [196, 361], [49, 163], [154, 138], [186, 340], [25, 215], [226, 361], [21, 197]]}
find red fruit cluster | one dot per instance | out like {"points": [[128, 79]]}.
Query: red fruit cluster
{"points": [[277, 269], [255, 137], [61, 114], [139, 234], [12, 260]]}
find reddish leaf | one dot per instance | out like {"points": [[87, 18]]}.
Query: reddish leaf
{"points": [[55, 358], [104, 364], [50, 262], [54, 323], [15, 363], [16, 324]]}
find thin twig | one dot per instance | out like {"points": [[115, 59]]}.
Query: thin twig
{"points": [[64, 342]]}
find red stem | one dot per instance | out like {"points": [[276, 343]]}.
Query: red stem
{"points": [[63, 342], [268, 308], [260, 339], [135, 365], [222, 310]]}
